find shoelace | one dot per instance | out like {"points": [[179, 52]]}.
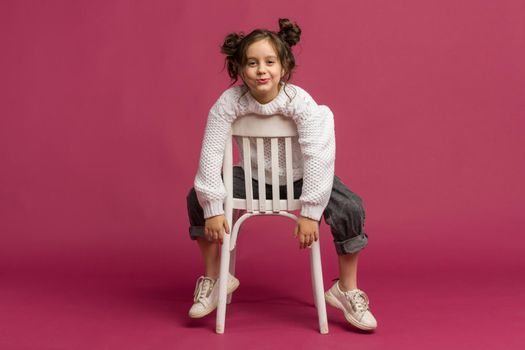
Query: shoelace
{"points": [[204, 285], [358, 299]]}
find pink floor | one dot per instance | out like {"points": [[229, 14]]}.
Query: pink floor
{"points": [[139, 301]]}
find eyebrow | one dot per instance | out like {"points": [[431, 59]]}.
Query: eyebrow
{"points": [[254, 58]]}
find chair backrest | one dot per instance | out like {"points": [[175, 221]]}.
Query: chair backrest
{"points": [[276, 129]]}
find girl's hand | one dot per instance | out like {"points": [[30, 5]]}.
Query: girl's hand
{"points": [[306, 231], [215, 227]]}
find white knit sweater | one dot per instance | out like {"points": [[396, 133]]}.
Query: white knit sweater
{"points": [[313, 159]]}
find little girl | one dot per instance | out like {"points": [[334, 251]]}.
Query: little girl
{"points": [[264, 61]]}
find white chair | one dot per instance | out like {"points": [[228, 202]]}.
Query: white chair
{"points": [[277, 129]]}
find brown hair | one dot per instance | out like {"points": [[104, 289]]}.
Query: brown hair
{"points": [[236, 44]]}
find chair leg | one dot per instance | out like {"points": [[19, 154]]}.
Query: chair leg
{"points": [[314, 290], [223, 283], [232, 271], [317, 277], [235, 216]]}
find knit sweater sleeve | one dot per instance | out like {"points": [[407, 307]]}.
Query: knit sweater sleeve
{"points": [[315, 125], [208, 182]]}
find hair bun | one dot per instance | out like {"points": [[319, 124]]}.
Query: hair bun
{"points": [[231, 43], [289, 32]]}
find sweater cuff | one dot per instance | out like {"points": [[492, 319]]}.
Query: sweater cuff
{"points": [[312, 211], [213, 208]]}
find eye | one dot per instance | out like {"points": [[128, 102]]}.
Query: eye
{"points": [[252, 63], [271, 62]]}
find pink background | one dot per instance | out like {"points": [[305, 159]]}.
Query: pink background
{"points": [[102, 111]]}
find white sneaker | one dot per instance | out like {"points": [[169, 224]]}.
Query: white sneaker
{"points": [[354, 304], [206, 295]]}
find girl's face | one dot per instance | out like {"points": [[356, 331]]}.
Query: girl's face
{"points": [[263, 71]]}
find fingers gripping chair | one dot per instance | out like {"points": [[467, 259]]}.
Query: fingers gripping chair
{"points": [[277, 129]]}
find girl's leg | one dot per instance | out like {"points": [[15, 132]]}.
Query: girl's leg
{"points": [[345, 215], [210, 253], [348, 271], [209, 250], [205, 297]]}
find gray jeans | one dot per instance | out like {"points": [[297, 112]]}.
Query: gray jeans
{"points": [[344, 213]]}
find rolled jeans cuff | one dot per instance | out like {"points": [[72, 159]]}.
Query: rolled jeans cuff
{"points": [[197, 232], [351, 245]]}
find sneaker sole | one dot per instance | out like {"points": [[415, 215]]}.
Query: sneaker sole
{"points": [[231, 288], [330, 299]]}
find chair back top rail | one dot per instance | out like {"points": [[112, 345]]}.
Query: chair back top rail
{"points": [[254, 125]]}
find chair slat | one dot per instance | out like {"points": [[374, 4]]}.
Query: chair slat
{"points": [[248, 173], [228, 179], [260, 174], [289, 171], [275, 174]]}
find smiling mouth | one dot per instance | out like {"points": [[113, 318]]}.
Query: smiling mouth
{"points": [[262, 81]]}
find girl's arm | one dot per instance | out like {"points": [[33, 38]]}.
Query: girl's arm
{"points": [[315, 125], [208, 182]]}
